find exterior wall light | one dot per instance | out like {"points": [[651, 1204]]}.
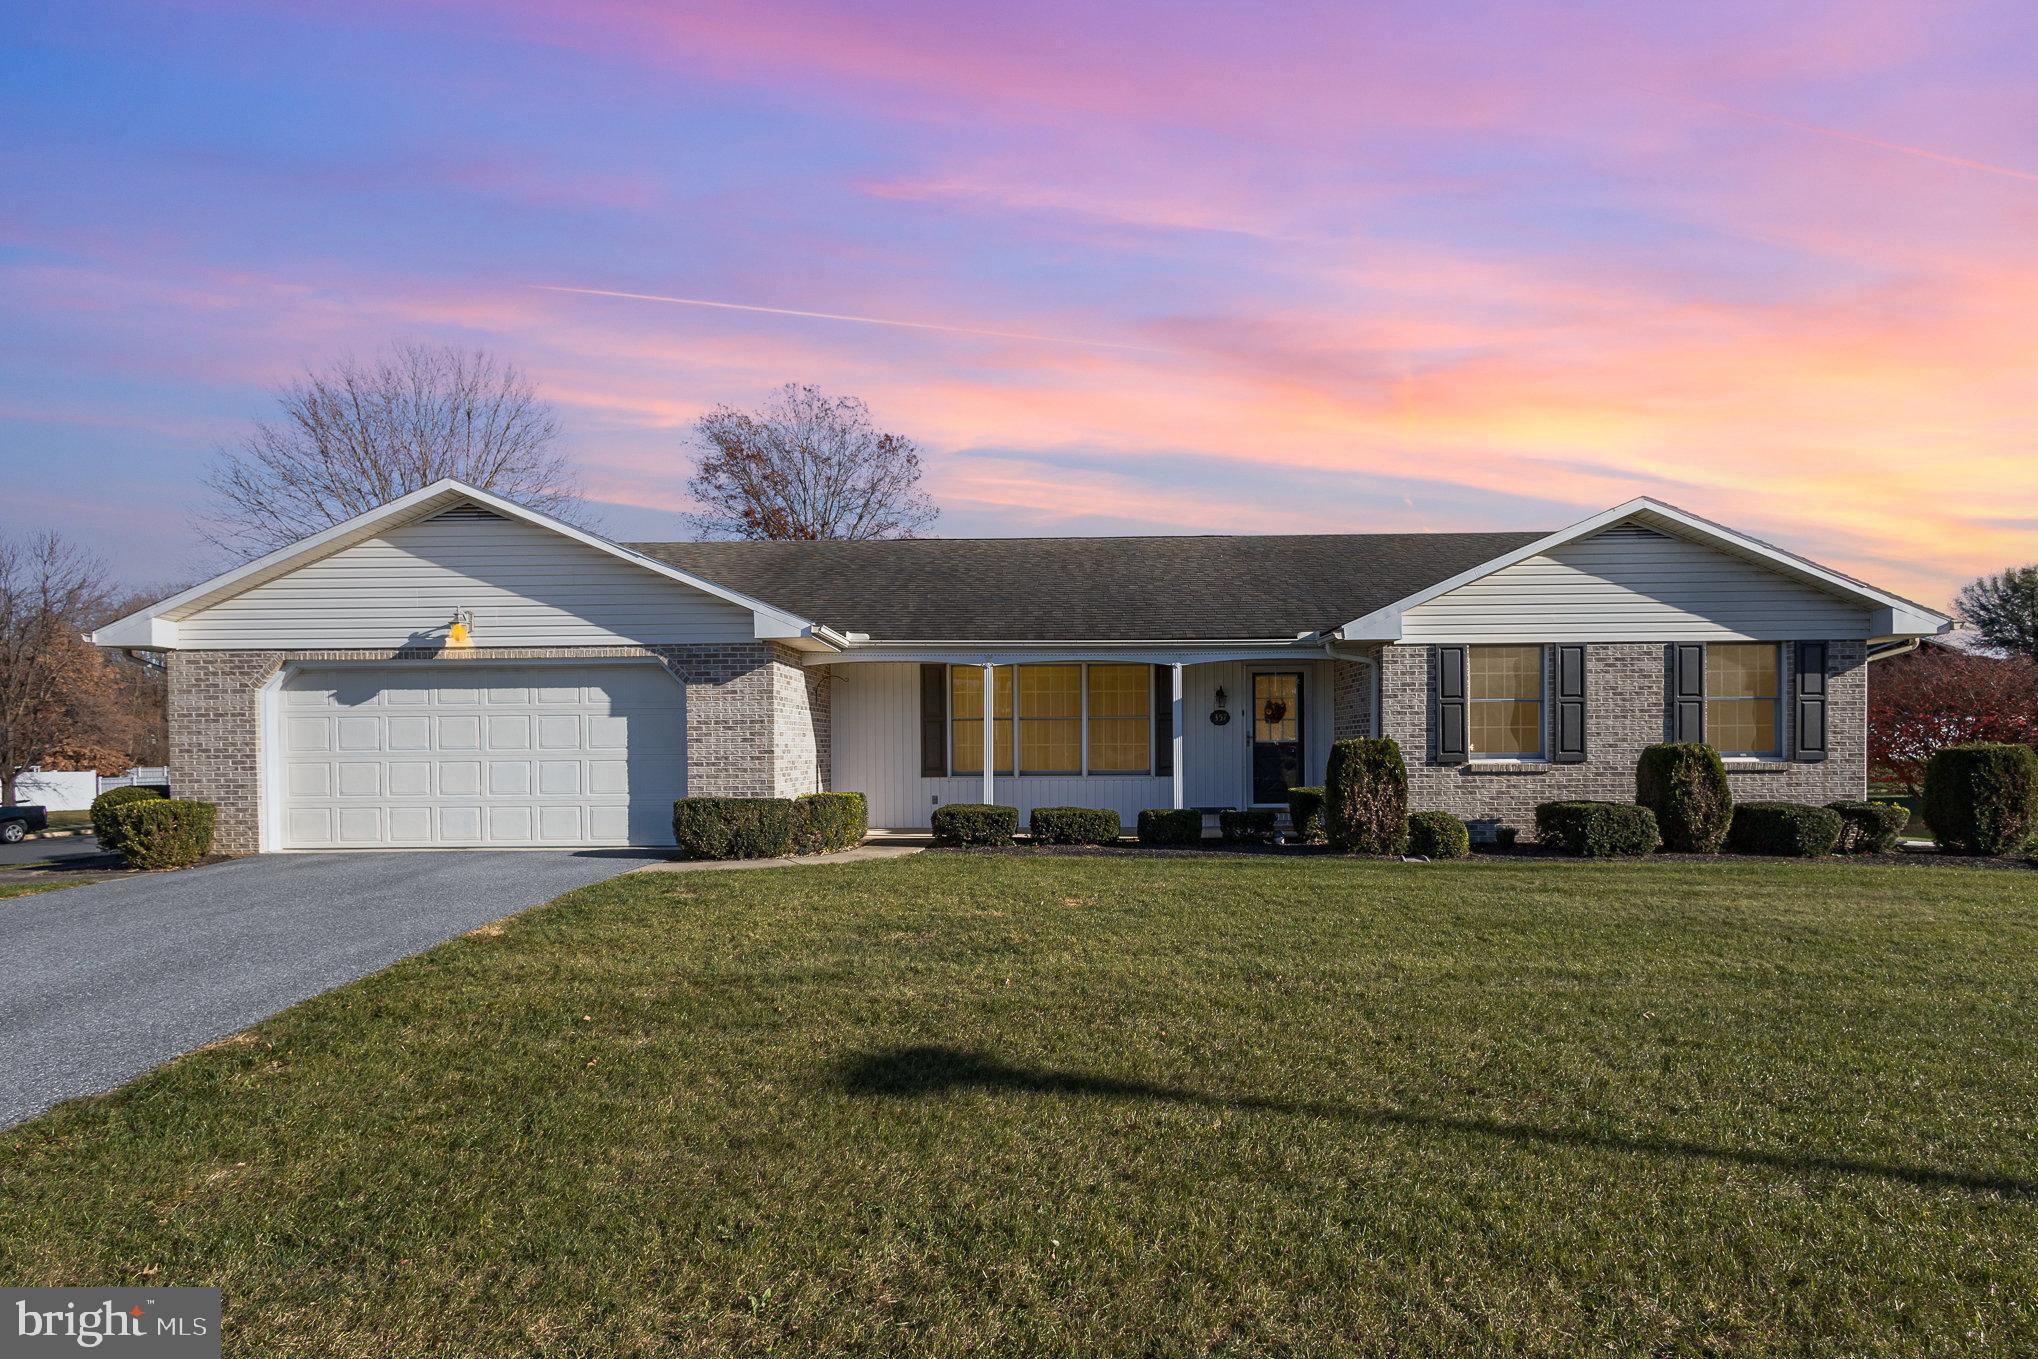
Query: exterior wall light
{"points": [[460, 632]]}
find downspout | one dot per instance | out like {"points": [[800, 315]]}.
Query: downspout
{"points": [[1904, 648]]}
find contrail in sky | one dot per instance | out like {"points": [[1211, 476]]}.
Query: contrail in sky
{"points": [[840, 316], [1876, 142]]}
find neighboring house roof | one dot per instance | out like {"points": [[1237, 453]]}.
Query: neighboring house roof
{"points": [[1088, 589]]}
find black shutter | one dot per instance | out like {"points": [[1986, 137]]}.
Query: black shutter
{"points": [[1163, 719], [1569, 747], [1811, 701], [1448, 688], [1687, 693], [934, 721]]}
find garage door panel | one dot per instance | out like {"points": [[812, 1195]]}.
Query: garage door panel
{"points": [[527, 755]]}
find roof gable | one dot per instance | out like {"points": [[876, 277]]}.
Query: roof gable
{"points": [[157, 625]]}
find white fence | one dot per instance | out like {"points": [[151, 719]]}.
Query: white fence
{"points": [[149, 776], [57, 789]]}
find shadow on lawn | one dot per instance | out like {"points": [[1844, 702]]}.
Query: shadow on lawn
{"points": [[919, 1071]]}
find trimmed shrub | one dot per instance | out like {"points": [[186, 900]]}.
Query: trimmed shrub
{"points": [[1305, 813], [1869, 827], [1982, 798], [733, 827], [1074, 826], [975, 823], [1597, 830], [163, 832], [829, 821], [1251, 826], [1796, 829], [1171, 826], [102, 809], [1685, 785], [1365, 797], [1505, 836], [1438, 835]]}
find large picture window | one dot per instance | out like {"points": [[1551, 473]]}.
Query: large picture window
{"points": [[1505, 718], [1743, 686], [1053, 719]]}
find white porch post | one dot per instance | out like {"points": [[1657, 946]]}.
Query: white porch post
{"points": [[1176, 729], [990, 724]]}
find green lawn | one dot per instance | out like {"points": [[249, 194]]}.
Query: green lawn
{"points": [[26, 887], [1078, 1106]]}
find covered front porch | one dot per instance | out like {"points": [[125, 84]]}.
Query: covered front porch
{"points": [[1106, 728]]}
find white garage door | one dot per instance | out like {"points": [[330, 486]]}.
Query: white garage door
{"points": [[480, 755]]}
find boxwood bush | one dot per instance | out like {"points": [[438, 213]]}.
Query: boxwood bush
{"points": [[1869, 827], [1597, 830], [1074, 826], [1305, 813], [1685, 785], [1171, 826], [162, 832], [1365, 797], [829, 821], [1438, 835], [733, 827], [1250, 826], [1982, 798], [102, 812], [975, 823], [1797, 829]]}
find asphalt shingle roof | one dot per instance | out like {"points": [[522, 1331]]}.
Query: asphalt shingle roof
{"points": [[1088, 589]]}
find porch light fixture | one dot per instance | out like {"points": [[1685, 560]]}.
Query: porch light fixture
{"points": [[460, 632]]}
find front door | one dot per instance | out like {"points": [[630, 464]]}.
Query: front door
{"points": [[1277, 735]]}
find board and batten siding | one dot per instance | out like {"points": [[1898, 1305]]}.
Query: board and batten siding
{"points": [[525, 585], [1632, 584], [876, 731]]}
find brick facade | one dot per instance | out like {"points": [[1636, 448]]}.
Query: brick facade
{"points": [[1351, 699], [756, 722], [1627, 708]]}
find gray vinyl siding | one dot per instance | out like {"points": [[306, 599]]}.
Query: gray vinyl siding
{"points": [[1633, 585], [525, 585], [876, 733]]}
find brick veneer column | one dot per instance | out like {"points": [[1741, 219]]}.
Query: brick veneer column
{"points": [[1351, 696], [215, 737]]}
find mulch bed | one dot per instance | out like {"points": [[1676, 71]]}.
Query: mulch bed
{"points": [[1215, 849]]}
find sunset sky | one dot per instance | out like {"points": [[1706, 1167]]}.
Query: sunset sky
{"points": [[1158, 269]]}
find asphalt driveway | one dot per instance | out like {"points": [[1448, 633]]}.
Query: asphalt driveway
{"points": [[100, 982]]}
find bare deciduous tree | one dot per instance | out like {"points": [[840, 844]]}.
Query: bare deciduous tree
{"points": [[363, 434], [53, 683], [805, 466]]}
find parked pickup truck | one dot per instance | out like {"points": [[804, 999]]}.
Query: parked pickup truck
{"points": [[17, 821]]}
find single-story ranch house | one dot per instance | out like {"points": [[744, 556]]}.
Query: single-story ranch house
{"points": [[456, 670]]}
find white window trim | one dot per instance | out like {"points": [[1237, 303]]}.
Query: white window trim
{"points": [[1542, 756]]}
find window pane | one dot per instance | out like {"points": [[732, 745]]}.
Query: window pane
{"points": [[1277, 708], [1050, 691], [1741, 670], [1741, 726], [1507, 728], [1506, 672], [966, 710], [1121, 690], [1118, 745], [1051, 745]]}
